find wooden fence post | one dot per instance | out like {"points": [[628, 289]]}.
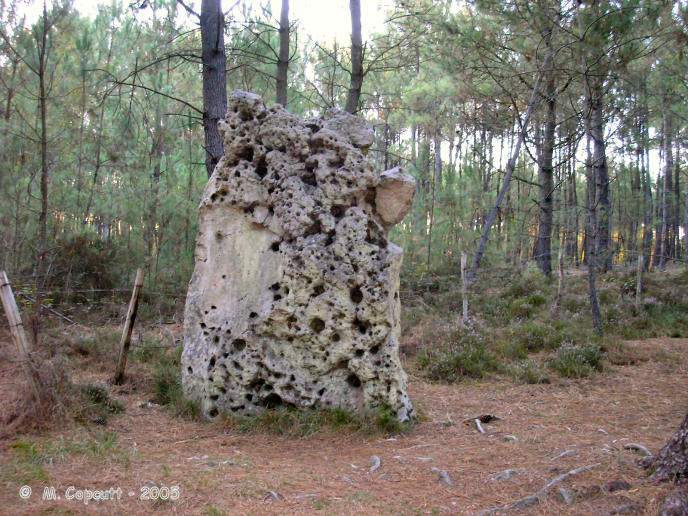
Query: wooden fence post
{"points": [[18, 335], [639, 283], [128, 326], [464, 286]]}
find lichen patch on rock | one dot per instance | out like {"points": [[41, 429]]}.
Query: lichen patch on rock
{"points": [[294, 298]]}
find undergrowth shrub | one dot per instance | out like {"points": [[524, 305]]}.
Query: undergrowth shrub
{"points": [[531, 371], [466, 355], [300, 422], [167, 385], [578, 361]]}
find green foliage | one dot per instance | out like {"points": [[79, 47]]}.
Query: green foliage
{"points": [[295, 422], [167, 386], [578, 361], [97, 399], [465, 356], [531, 371]]}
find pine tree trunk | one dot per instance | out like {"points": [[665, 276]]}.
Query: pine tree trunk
{"points": [[356, 82], [670, 463], [603, 250], [214, 79], [283, 60], [543, 254]]}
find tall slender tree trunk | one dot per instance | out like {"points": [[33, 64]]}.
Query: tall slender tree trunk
{"points": [[546, 189], [647, 187], [603, 250], [356, 82], [665, 234], [436, 172], [676, 244], [511, 165], [42, 271], [214, 79], [685, 231], [283, 60]]}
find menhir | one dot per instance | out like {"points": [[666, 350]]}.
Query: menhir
{"points": [[294, 298]]}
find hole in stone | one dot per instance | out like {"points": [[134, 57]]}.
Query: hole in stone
{"points": [[359, 352], [276, 297], [275, 286], [268, 387], [202, 325], [237, 409], [245, 116], [239, 344], [213, 307], [237, 174], [362, 326], [222, 389], [224, 276], [353, 380], [216, 339], [261, 167], [272, 401], [275, 246], [337, 211], [356, 295], [375, 349], [309, 179], [214, 397], [257, 384], [213, 412], [249, 397], [330, 238], [313, 229], [253, 315], [211, 364], [321, 391], [318, 289], [335, 337], [292, 378], [218, 235], [236, 365], [317, 325], [189, 370]]}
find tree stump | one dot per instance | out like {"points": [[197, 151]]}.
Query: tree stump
{"points": [[671, 461]]}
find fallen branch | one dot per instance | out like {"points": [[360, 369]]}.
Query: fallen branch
{"points": [[55, 312], [444, 476], [638, 447], [563, 454], [479, 426], [535, 498], [376, 463]]}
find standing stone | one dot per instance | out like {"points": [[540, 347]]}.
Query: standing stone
{"points": [[294, 299]]}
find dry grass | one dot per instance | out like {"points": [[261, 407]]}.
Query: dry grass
{"points": [[327, 472]]}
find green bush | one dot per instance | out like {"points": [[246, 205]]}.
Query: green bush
{"points": [[298, 422], [531, 371], [466, 356], [578, 361], [167, 386]]}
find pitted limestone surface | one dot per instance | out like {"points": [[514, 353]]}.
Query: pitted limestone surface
{"points": [[294, 298]]}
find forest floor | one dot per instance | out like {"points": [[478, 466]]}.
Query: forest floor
{"points": [[219, 470]]}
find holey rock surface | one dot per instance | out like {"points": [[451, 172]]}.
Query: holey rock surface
{"points": [[294, 299]]}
